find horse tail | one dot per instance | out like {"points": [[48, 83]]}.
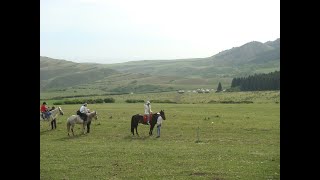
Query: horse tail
{"points": [[132, 124], [68, 126]]}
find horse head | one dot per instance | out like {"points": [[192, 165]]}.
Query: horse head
{"points": [[60, 110], [96, 115], [93, 114], [162, 115]]}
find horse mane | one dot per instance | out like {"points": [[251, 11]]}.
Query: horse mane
{"points": [[54, 110], [93, 112]]}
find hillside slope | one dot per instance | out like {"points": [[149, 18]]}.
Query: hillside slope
{"points": [[161, 75]]}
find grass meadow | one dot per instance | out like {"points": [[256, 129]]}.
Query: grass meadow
{"points": [[199, 140]]}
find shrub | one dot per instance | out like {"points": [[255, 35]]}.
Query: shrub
{"points": [[90, 101], [58, 103], [109, 100], [162, 101], [69, 102], [231, 102], [99, 100], [134, 101]]}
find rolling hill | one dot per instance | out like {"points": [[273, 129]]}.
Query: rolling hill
{"points": [[160, 75], [252, 57], [60, 73]]}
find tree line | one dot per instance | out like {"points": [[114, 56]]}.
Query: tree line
{"points": [[257, 82]]}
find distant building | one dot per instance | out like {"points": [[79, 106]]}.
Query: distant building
{"points": [[200, 90]]}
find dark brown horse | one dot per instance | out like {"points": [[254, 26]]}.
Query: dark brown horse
{"points": [[136, 119]]}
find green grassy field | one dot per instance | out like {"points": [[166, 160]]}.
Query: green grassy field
{"points": [[198, 141], [186, 98]]}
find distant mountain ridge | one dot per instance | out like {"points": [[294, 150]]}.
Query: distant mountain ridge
{"points": [[250, 58], [245, 53]]}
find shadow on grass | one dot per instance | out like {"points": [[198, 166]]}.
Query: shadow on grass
{"points": [[45, 131], [71, 137], [137, 138]]}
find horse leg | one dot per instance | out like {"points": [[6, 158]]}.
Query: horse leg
{"points": [[55, 123], [88, 127], [51, 125], [137, 131], [49, 121], [151, 129], [132, 130], [72, 126], [68, 127]]}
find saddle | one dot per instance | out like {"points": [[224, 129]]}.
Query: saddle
{"points": [[81, 115], [45, 115], [145, 118]]}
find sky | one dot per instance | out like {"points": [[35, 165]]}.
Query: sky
{"points": [[115, 31]]}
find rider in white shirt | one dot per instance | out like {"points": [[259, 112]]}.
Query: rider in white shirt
{"points": [[84, 111], [147, 110]]}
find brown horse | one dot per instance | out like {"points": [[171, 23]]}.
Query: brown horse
{"points": [[136, 119]]}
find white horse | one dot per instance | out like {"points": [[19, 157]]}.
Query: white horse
{"points": [[54, 114], [75, 119]]}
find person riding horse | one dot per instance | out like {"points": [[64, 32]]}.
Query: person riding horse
{"points": [[45, 111], [147, 111], [83, 112], [155, 120]]}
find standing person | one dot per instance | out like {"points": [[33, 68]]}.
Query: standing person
{"points": [[159, 123], [45, 110], [147, 111], [84, 111], [53, 122]]}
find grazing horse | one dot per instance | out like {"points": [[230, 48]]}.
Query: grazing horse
{"points": [[52, 118], [75, 119], [136, 119]]}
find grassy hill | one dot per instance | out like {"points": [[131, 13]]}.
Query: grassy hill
{"points": [[159, 75], [78, 78], [55, 74], [249, 58]]}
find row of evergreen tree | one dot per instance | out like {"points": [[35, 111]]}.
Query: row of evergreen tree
{"points": [[258, 82]]}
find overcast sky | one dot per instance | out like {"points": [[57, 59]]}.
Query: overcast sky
{"points": [[112, 31]]}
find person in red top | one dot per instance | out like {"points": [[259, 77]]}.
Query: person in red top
{"points": [[44, 110]]}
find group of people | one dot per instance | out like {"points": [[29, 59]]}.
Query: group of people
{"points": [[82, 112], [46, 111]]}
